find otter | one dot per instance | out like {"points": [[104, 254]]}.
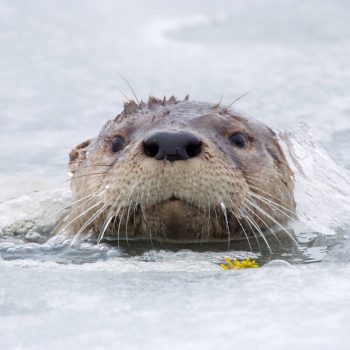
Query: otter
{"points": [[180, 171]]}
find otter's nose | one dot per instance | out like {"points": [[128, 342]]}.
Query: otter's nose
{"points": [[172, 145]]}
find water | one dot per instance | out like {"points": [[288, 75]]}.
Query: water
{"points": [[59, 68]]}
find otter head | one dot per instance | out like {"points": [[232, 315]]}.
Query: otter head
{"points": [[180, 171]]}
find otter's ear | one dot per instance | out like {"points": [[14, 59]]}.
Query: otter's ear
{"points": [[77, 155]]}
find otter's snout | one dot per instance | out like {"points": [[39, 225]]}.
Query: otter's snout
{"points": [[172, 145]]}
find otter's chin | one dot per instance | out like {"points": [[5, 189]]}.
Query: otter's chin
{"points": [[176, 219]]}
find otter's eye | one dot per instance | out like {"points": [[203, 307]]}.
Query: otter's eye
{"points": [[117, 143], [238, 140]]}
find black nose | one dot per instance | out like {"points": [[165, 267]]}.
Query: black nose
{"points": [[172, 145]]}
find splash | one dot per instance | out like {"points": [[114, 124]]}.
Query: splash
{"points": [[322, 187]]}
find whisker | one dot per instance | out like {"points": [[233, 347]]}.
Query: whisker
{"points": [[208, 221], [274, 220], [77, 177], [88, 166], [242, 214], [132, 90], [138, 200], [234, 101], [223, 208], [116, 215], [253, 222], [120, 221], [109, 218], [272, 202], [216, 220], [105, 225], [89, 222], [274, 205], [245, 233], [64, 208], [68, 215], [124, 95], [85, 175], [76, 218], [251, 228], [267, 226], [127, 216], [265, 192]]}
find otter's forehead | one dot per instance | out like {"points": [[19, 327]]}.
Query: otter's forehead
{"points": [[172, 114], [157, 112], [181, 110]]}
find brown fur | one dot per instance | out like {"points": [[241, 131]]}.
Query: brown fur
{"points": [[136, 190]]}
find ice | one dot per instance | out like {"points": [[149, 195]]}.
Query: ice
{"points": [[304, 307], [59, 67]]}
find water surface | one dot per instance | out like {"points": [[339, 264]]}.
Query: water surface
{"points": [[59, 70]]}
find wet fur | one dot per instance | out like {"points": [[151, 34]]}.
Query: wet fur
{"points": [[218, 192]]}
